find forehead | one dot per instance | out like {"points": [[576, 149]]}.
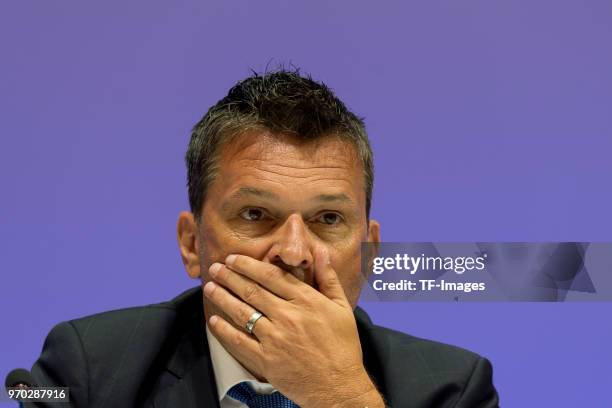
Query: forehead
{"points": [[284, 148], [327, 162]]}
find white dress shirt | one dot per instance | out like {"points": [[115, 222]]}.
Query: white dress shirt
{"points": [[229, 372]]}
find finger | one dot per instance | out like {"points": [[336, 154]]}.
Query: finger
{"points": [[236, 309], [276, 280], [246, 289], [247, 350], [327, 278]]}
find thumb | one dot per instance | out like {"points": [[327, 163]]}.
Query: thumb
{"points": [[327, 278]]}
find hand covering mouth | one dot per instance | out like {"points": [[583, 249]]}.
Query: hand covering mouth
{"points": [[305, 275]]}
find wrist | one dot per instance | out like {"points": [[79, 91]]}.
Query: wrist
{"points": [[369, 399], [362, 394], [354, 390]]}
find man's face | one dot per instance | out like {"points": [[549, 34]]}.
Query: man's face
{"points": [[276, 199]]}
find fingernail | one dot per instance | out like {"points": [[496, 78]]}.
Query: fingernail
{"points": [[230, 259], [213, 320], [209, 288], [214, 268]]}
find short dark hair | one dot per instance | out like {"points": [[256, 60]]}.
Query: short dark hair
{"points": [[280, 102]]}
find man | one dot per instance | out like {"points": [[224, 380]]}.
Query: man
{"points": [[280, 179]]}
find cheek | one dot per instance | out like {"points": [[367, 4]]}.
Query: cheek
{"points": [[211, 249], [217, 243], [348, 268]]}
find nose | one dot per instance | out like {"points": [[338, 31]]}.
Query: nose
{"points": [[293, 245]]}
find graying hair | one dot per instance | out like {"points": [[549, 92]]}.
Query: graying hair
{"points": [[280, 102]]}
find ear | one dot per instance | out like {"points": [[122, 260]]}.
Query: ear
{"points": [[187, 235], [374, 243]]}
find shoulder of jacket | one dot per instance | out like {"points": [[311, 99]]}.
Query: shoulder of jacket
{"points": [[114, 325]]}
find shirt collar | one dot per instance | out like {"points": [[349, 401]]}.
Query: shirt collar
{"points": [[228, 371]]}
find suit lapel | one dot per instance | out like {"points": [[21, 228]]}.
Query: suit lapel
{"points": [[190, 380], [196, 389]]}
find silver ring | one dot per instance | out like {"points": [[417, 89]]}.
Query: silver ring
{"points": [[251, 323]]}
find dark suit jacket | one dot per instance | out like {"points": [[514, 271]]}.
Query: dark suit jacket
{"points": [[157, 356]]}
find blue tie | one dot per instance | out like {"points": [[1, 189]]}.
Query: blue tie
{"points": [[244, 393]]}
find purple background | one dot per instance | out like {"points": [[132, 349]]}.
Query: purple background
{"points": [[491, 121]]}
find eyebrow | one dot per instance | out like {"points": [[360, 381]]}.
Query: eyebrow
{"points": [[252, 191], [332, 197], [248, 192], [256, 192]]}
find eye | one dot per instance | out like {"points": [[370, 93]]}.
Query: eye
{"points": [[252, 214], [330, 218]]}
